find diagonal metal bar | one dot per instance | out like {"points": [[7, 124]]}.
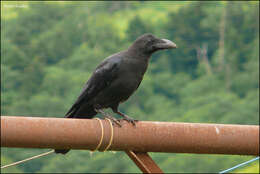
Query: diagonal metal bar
{"points": [[145, 163]]}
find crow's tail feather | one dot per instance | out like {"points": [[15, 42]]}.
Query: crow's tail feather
{"points": [[62, 151]]}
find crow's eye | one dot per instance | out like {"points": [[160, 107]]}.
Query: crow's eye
{"points": [[148, 41]]}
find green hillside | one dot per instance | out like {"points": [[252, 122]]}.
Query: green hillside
{"points": [[49, 50]]}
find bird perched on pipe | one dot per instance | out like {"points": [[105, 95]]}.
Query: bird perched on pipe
{"points": [[115, 79]]}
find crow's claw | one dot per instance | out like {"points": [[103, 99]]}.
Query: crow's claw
{"points": [[130, 120], [114, 121]]}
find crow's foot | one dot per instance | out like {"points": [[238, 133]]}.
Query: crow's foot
{"points": [[125, 117], [129, 119], [114, 120]]}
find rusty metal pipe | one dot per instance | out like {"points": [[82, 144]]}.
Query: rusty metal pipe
{"points": [[59, 133]]}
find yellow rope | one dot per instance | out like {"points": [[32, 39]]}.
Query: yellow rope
{"points": [[27, 159], [112, 135], [102, 134]]}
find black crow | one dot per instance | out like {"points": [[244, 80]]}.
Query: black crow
{"points": [[116, 79]]}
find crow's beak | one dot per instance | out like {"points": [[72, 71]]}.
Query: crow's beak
{"points": [[164, 44], [167, 44]]}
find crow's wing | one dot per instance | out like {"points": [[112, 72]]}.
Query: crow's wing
{"points": [[102, 77]]}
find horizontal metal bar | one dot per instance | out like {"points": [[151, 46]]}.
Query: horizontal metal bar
{"points": [[146, 136]]}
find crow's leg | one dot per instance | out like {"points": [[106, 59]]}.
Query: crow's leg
{"points": [[114, 120], [125, 117]]}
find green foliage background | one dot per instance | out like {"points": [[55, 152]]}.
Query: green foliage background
{"points": [[49, 50]]}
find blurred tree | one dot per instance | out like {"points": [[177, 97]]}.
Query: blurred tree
{"points": [[4, 161], [189, 33], [15, 59], [136, 28]]}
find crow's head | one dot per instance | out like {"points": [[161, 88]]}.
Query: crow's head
{"points": [[149, 44]]}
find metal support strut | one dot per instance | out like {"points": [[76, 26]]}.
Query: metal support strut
{"points": [[144, 162]]}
